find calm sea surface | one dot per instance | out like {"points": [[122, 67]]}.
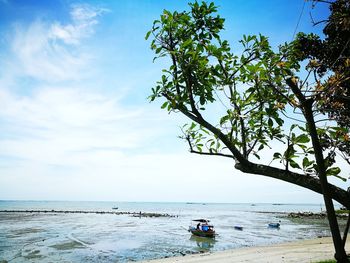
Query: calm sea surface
{"points": [[56, 237]]}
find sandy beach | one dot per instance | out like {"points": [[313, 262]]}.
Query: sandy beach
{"points": [[313, 250]]}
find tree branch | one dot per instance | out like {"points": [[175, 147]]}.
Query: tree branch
{"points": [[225, 140], [211, 153], [306, 181]]}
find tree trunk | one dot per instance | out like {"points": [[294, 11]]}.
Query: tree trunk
{"points": [[340, 254], [306, 106], [346, 230]]}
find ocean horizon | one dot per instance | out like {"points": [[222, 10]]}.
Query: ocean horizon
{"points": [[81, 237]]}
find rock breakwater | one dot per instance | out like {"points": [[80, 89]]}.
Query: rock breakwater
{"points": [[135, 214]]}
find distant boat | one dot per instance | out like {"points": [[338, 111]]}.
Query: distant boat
{"points": [[201, 228], [115, 208], [238, 228], [274, 225]]}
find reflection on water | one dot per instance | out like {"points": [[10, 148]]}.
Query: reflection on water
{"points": [[203, 243], [33, 237]]}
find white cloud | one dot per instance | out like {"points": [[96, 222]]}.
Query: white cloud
{"points": [[56, 122], [38, 56], [50, 51], [84, 18]]}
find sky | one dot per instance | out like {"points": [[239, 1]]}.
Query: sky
{"points": [[75, 122]]}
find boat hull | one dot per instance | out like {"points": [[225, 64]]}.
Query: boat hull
{"points": [[201, 233]]}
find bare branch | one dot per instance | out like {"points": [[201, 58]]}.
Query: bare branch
{"points": [[291, 118], [212, 153]]}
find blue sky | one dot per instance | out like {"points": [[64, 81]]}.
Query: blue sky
{"points": [[75, 123]]}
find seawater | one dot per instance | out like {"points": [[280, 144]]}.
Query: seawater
{"points": [[53, 237]]}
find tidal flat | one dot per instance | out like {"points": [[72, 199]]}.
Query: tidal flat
{"points": [[109, 237]]}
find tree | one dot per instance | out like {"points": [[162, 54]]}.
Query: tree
{"points": [[264, 103], [331, 55]]}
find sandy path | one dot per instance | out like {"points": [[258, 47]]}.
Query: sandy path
{"points": [[300, 251]]}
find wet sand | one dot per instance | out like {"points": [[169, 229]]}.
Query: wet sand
{"points": [[313, 250]]}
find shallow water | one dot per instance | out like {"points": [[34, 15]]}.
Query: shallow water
{"points": [[53, 237]]}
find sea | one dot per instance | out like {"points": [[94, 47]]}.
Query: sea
{"points": [[98, 237]]}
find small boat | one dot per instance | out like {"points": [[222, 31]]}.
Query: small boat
{"points": [[238, 228], [201, 228], [274, 225], [115, 208]]}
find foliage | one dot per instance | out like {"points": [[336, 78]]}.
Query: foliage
{"points": [[329, 61], [341, 212], [251, 88]]}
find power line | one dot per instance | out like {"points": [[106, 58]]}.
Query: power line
{"points": [[301, 14]]}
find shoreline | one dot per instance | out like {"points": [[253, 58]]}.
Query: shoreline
{"points": [[134, 214], [309, 250]]}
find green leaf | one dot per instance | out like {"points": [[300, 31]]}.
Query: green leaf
{"points": [[224, 119], [187, 43], [270, 122], [303, 138], [307, 162], [293, 126], [279, 121], [277, 156], [294, 164], [257, 156], [333, 171], [164, 105], [147, 35], [158, 50]]}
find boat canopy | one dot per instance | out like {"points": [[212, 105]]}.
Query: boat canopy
{"points": [[201, 220]]}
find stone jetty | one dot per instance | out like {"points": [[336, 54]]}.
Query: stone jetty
{"points": [[311, 215], [134, 214]]}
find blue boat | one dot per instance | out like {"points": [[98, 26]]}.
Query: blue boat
{"points": [[238, 228], [274, 225]]}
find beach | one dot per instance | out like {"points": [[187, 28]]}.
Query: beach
{"points": [[312, 250], [84, 232]]}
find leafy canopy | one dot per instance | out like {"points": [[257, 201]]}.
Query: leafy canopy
{"points": [[253, 90]]}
